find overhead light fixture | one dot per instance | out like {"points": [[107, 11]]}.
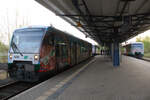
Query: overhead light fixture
{"points": [[79, 24]]}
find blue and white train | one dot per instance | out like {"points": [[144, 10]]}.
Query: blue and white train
{"points": [[135, 49]]}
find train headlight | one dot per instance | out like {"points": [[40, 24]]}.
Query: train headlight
{"points": [[36, 57], [10, 56]]}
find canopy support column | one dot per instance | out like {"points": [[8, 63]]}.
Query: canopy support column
{"points": [[116, 55]]}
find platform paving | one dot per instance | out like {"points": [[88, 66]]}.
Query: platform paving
{"points": [[97, 80]]}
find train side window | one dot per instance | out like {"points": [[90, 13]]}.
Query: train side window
{"points": [[64, 50], [51, 40], [83, 49], [50, 35], [45, 41], [57, 50]]}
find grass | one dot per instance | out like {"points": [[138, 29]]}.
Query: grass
{"points": [[147, 55]]}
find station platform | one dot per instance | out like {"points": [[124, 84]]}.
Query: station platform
{"points": [[96, 79]]}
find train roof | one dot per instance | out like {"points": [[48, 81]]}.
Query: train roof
{"points": [[137, 43], [133, 43], [71, 35], [45, 27], [32, 27]]}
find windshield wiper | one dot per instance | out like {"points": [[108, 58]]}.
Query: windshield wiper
{"points": [[14, 47]]}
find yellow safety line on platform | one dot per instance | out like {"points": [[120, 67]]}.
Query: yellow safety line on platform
{"points": [[51, 91]]}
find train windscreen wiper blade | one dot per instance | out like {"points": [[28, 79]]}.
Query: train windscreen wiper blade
{"points": [[14, 47]]}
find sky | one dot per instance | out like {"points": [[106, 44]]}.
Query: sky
{"points": [[27, 13], [16, 13], [142, 35]]}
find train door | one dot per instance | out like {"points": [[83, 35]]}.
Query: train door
{"points": [[61, 55], [73, 53], [64, 54], [58, 56], [61, 47]]}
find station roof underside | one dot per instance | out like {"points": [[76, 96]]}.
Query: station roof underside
{"points": [[104, 20]]}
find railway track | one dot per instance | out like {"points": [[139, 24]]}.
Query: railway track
{"points": [[9, 83], [140, 58], [14, 88], [146, 59]]}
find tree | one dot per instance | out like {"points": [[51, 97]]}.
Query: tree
{"points": [[11, 22], [138, 39], [146, 42]]}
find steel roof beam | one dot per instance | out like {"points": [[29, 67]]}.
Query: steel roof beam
{"points": [[141, 6], [89, 15], [97, 16], [124, 7], [75, 3], [138, 20]]}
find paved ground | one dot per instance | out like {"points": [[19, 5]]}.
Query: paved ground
{"points": [[97, 81]]}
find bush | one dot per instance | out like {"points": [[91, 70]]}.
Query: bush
{"points": [[146, 42], [3, 48], [3, 53]]}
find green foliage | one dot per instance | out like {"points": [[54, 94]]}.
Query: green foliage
{"points": [[146, 42], [147, 55], [3, 48], [3, 53], [138, 39], [122, 49]]}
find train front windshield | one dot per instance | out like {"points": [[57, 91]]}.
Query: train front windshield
{"points": [[27, 41], [140, 46]]}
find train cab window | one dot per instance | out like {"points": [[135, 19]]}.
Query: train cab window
{"points": [[27, 40]]}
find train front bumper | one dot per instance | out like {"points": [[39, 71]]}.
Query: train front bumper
{"points": [[23, 72]]}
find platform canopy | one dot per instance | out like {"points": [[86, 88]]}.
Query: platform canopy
{"points": [[104, 20]]}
